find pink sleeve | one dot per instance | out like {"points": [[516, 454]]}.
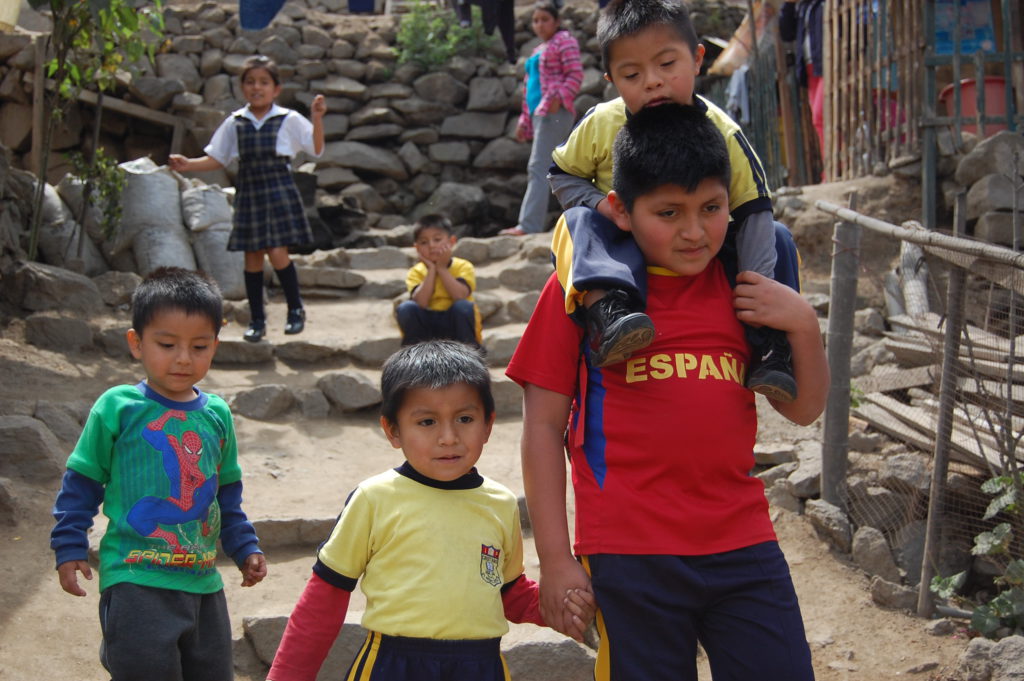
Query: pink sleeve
{"points": [[522, 602], [562, 72], [311, 631]]}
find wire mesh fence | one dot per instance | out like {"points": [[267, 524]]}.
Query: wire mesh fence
{"points": [[929, 454]]}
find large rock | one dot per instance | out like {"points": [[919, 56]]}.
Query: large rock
{"points": [[508, 396], [872, 555], [545, 654], [441, 87], [525, 277], [893, 596], [462, 203], [503, 153], [831, 523], [449, 152], [349, 390], [28, 449], [154, 92], [906, 473], [117, 287], [975, 662], [60, 418], [1008, 659], [875, 506], [993, 193], [474, 124], [383, 258], [501, 343], [306, 351], [179, 67], [418, 111], [487, 94], [374, 351], [340, 86], [997, 227], [35, 286], [264, 402], [993, 155], [364, 157], [16, 133], [56, 332], [264, 635], [231, 351]]}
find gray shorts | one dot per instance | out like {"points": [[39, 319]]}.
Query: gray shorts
{"points": [[164, 635]]}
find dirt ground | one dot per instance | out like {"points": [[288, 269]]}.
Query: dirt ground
{"points": [[305, 468]]}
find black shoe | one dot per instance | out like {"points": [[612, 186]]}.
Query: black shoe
{"points": [[296, 321], [615, 330], [771, 373], [256, 331]]}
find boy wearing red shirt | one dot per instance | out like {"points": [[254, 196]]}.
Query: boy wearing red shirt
{"points": [[672, 531]]}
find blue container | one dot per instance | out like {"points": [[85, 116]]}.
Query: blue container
{"points": [[355, 6]]}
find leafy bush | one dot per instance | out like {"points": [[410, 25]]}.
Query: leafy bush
{"points": [[1006, 609], [430, 36]]}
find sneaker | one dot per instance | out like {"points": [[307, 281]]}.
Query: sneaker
{"points": [[615, 330], [256, 331], [296, 321], [771, 373]]}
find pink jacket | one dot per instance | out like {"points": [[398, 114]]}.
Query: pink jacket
{"points": [[560, 76]]}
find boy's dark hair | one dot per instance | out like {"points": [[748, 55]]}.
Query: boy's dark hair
{"points": [[175, 288], [547, 6], [261, 62], [621, 18], [433, 365], [435, 221], [667, 144]]}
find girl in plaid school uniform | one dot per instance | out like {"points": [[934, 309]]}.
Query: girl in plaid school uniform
{"points": [[269, 216]]}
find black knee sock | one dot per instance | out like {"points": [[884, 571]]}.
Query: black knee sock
{"points": [[254, 292], [289, 279]]}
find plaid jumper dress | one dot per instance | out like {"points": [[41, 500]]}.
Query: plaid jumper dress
{"points": [[268, 208]]}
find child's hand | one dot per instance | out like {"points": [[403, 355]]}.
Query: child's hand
{"points": [[178, 163], [442, 254], [760, 301], [254, 569], [319, 106], [67, 573], [579, 609]]}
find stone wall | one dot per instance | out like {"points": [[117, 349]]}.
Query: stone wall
{"points": [[400, 141]]}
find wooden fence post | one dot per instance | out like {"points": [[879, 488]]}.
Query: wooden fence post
{"points": [[944, 426], [842, 305]]}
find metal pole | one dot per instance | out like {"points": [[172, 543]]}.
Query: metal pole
{"points": [[835, 444], [944, 427]]}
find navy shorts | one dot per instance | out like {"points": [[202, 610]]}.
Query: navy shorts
{"points": [[397, 658], [740, 605], [164, 635]]}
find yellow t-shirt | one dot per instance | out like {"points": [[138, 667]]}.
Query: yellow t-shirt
{"points": [[432, 558], [587, 152], [440, 299]]}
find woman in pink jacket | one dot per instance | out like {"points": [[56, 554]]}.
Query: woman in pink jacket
{"points": [[553, 77]]}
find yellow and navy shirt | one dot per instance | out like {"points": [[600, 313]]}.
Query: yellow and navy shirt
{"points": [[418, 542], [587, 153], [440, 299]]}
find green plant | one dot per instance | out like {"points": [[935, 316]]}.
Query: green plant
{"points": [[1006, 609], [90, 42], [856, 396], [430, 36], [107, 178]]}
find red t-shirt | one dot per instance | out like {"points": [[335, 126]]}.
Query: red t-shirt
{"points": [[661, 444]]}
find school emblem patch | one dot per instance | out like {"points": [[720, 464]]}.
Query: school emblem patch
{"points": [[489, 564]]}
